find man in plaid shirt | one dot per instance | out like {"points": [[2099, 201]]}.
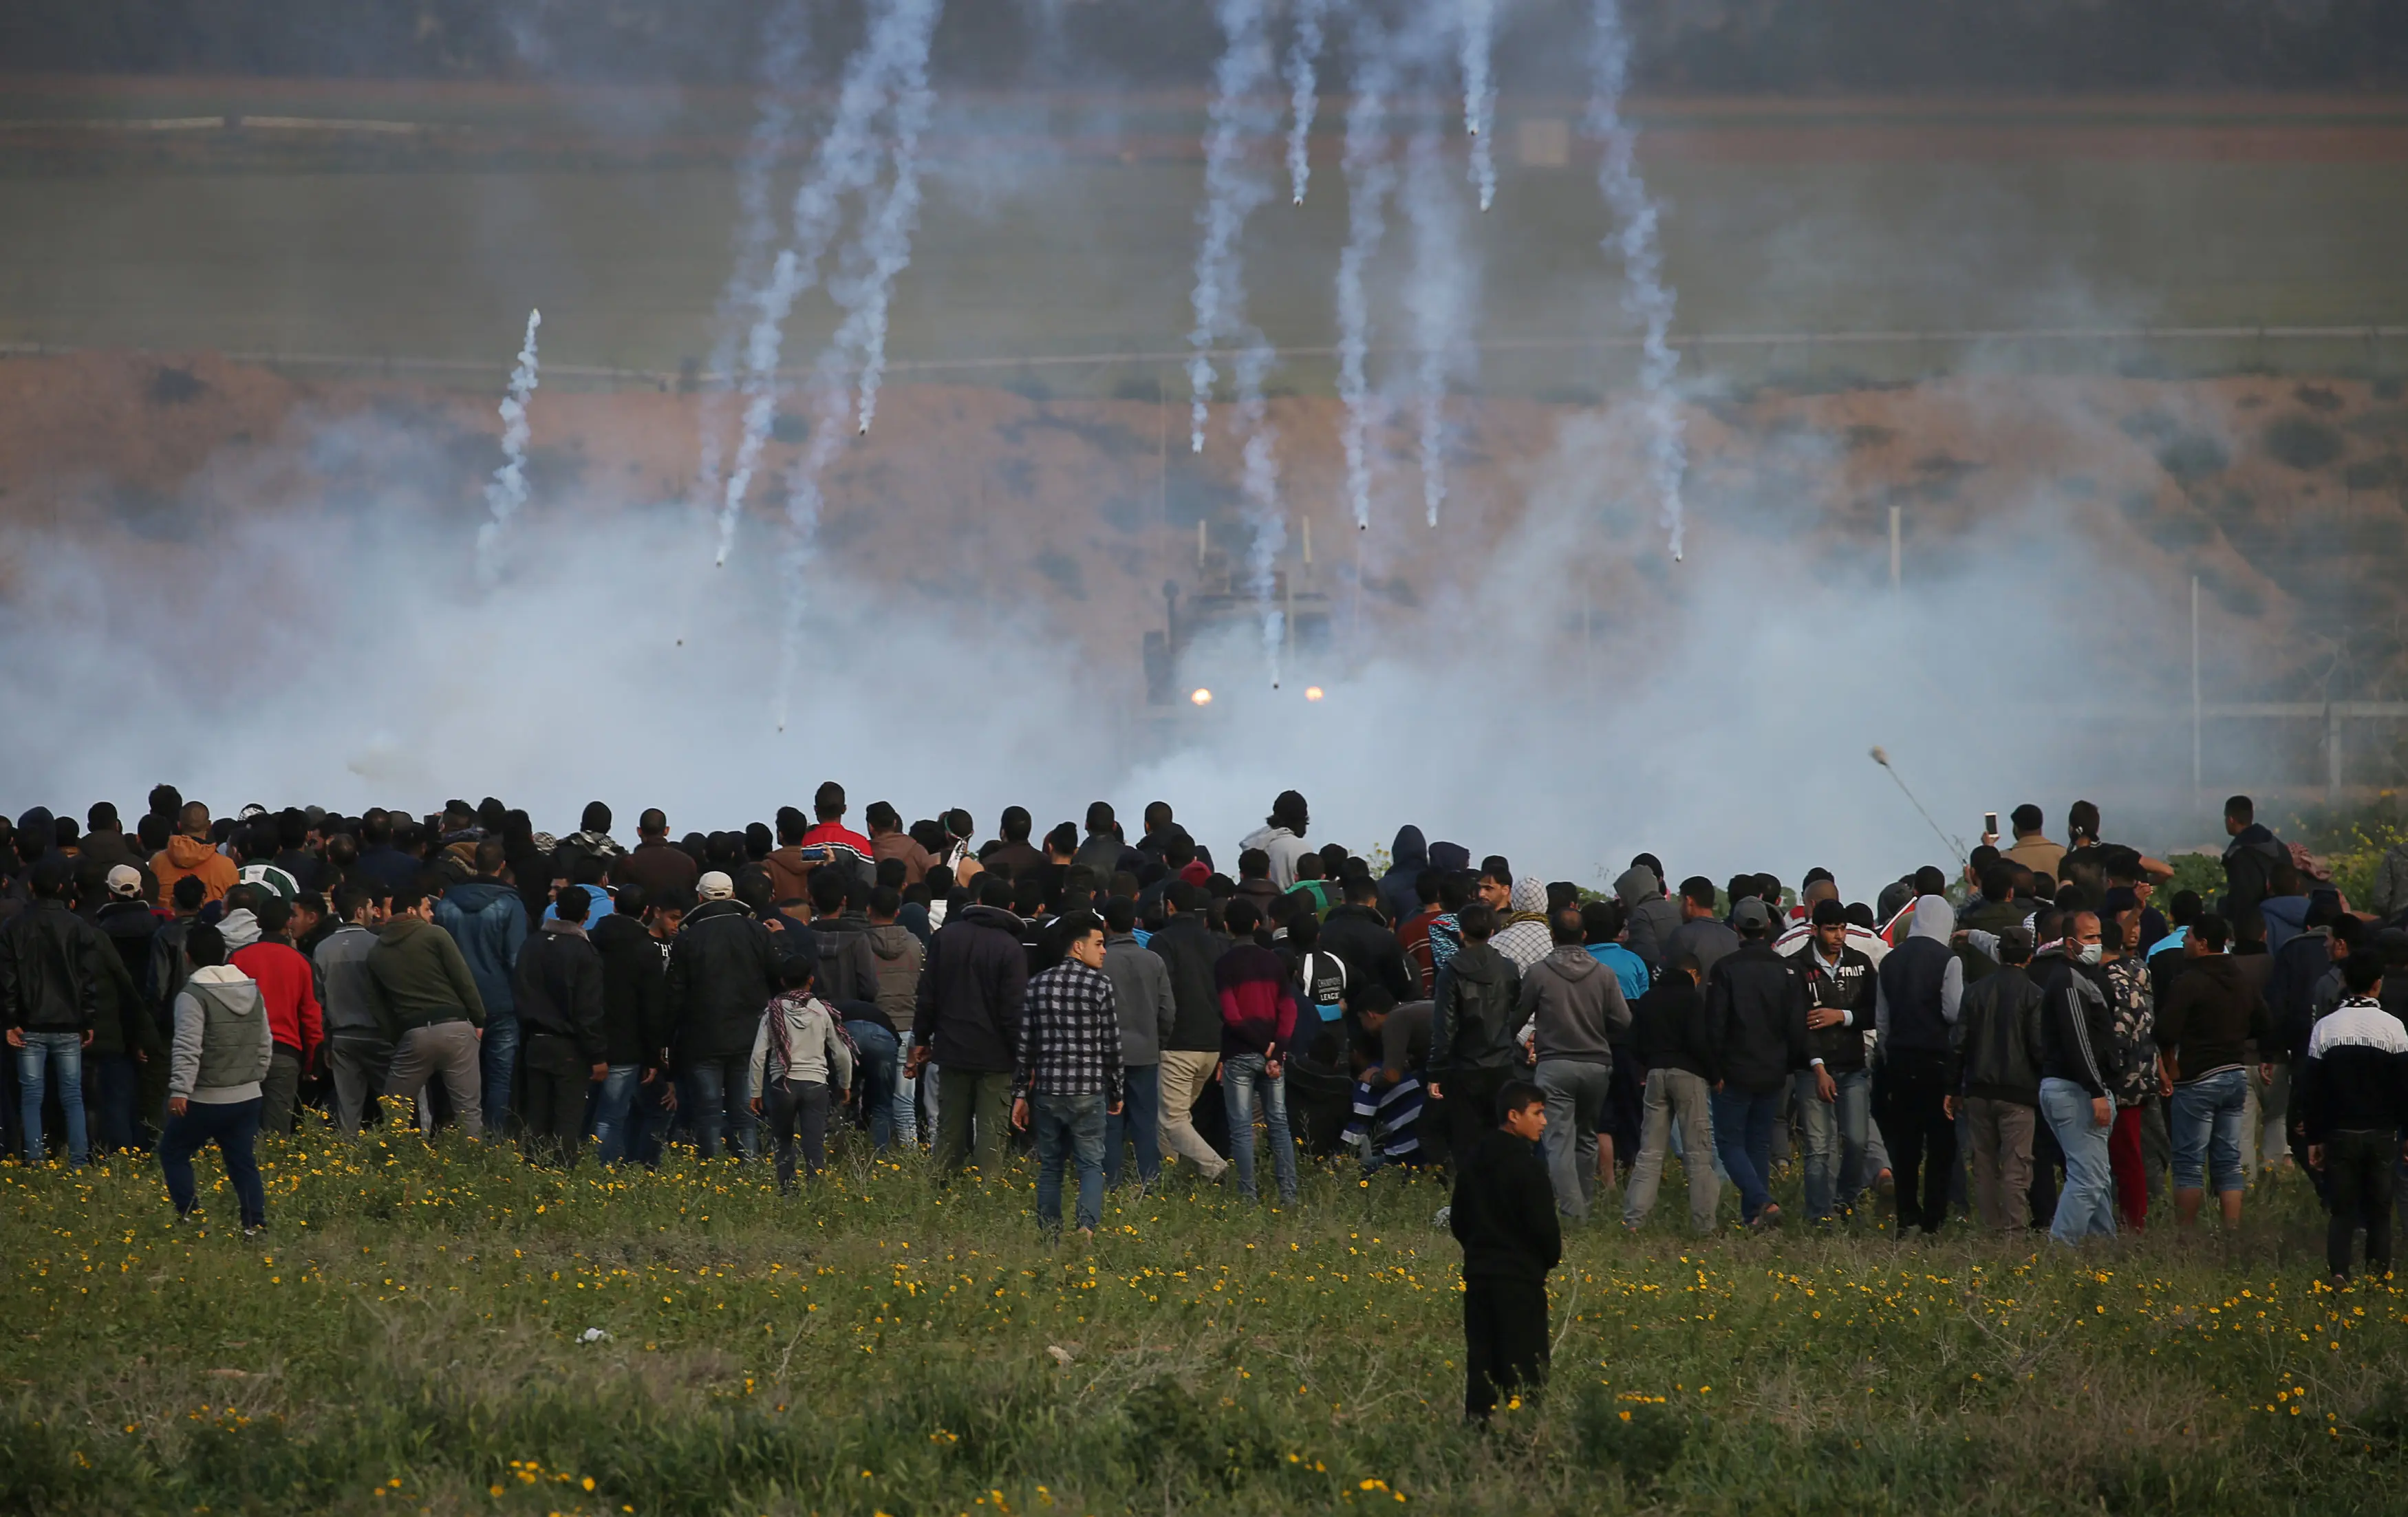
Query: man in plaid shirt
{"points": [[1069, 1072]]}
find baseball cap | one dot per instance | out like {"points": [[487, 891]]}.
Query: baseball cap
{"points": [[126, 881], [1751, 913], [714, 886]]}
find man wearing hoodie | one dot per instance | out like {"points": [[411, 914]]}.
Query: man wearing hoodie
{"points": [[1575, 1006], [966, 1021], [221, 1053], [1149, 1015], [1472, 1020], [1189, 949], [288, 986], [487, 919], [1920, 991], [847, 983], [1756, 1024], [54, 969], [1649, 919], [1408, 856], [1258, 1019], [1998, 1043], [722, 969], [190, 852], [557, 990], [429, 1007], [2203, 1033], [1281, 837], [1525, 936], [896, 955], [2249, 859]]}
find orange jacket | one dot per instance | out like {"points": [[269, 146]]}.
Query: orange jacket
{"points": [[194, 856]]}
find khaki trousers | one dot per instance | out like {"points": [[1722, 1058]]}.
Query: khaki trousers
{"points": [[1185, 1075], [2001, 1135]]}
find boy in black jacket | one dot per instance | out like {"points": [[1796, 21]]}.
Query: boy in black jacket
{"points": [[1504, 1216], [2353, 1095]]}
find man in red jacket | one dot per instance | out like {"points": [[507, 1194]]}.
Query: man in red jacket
{"points": [[1258, 1020], [288, 986]]}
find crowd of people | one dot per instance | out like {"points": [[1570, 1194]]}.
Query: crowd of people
{"points": [[2036, 1039]]}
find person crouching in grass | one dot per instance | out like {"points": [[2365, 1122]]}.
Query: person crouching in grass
{"points": [[799, 1061], [1504, 1216]]}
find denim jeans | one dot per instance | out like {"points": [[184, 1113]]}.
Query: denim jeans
{"points": [[1069, 1128], [614, 1110], [58, 1055], [874, 1078], [1241, 1077], [1834, 1138], [904, 1110], [1743, 1138], [718, 1095], [2206, 1118], [1675, 1104], [1140, 1123], [232, 1125], [2087, 1206], [497, 1059], [1576, 1094]]}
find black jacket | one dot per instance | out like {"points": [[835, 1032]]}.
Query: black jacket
{"points": [[1756, 1018], [848, 977], [2210, 1018], [2078, 1032], [634, 1013], [1849, 987], [2355, 1075], [2291, 988], [557, 988], [1188, 949], [1369, 947], [2249, 862], [1999, 1038], [1668, 1028], [723, 970], [970, 992], [1504, 1212], [130, 925], [1475, 1012], [54, 968]]}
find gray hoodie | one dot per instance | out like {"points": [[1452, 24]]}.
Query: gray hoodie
{"points": [[1651, 918], [1574, 1004], [1142, 987], [223, 1045]]}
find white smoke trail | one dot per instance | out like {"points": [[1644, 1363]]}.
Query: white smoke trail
{"points": [[785, 37], [1437, 300], [1304, 54], [1645, 297], [1231, 194], [1264, 513], [889, 238], [506, 491], [1478, 22], [846, 163], [1371, 179]]}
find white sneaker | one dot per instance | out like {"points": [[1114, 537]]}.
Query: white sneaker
{"points": [[1445, 1214]]}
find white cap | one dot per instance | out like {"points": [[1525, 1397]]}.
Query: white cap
{"points": [[125, 880], [714, 886]]}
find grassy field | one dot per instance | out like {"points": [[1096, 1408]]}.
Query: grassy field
{"points": [[411, 1338]]}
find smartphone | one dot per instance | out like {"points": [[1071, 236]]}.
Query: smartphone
{"points": [[1990, 823]]}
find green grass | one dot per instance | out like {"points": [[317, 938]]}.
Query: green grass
{"points": [[406, 1340]]}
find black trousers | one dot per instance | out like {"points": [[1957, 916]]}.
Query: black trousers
{"points": [[2357, 1181], [1504, 1341], [1471, 1102], [555, 1079], [1922, 1140], [796, 1111]]}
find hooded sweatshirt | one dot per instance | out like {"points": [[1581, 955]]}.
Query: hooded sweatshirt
{"points": [[240, 929], [223, 1046], [2209, 1018], [489, 922], [1921, 984], [895, 953], [1524, 937], [1408, 856], [1283, 846], [1652, 917], [1575, 1004], [194, 856], [417, 977]]}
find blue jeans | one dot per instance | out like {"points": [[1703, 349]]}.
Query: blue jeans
{"points": [[906, 1105], [1241, 1077], [45, 1053], [231, 1126], [717, 1096], [1834, 1138], [2206, 1117], [497, 1059], [873, 1080], [614, 1110], [1743, 1138], [2086, 1206], [1140, 1123], [1068, 1127]]}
